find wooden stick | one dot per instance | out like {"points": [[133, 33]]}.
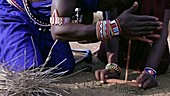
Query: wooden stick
{"points": [[128, 60], [119, 81]]}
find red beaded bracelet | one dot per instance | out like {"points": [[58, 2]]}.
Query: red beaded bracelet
{"points": [[107, 29]]}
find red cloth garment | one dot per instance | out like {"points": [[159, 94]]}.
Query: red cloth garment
{"points": [[167, 4], [154, 7]]}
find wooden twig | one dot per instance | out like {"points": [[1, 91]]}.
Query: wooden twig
{"points": [[128, 60], [119, 81]]}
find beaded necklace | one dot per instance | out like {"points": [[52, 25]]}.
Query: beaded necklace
{"points": [[32, 17]]}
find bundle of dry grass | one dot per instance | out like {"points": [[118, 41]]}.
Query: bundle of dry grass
{"points": [[30, 82]]}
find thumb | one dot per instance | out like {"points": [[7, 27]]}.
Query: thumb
{"points": [[133, 8]]}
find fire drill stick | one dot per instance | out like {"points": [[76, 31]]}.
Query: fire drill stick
{"points": [[128, 60]]}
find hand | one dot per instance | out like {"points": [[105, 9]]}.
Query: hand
{"points": [[146, 80], [147, 38], [103, 74], [135, 25]]}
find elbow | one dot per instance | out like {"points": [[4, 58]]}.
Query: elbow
{"points": [[56, 32], [53, 34]]}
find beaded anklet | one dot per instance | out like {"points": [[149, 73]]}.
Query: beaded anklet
{"points": [[150, 71]]}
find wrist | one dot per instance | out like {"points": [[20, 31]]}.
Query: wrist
{"points": [[113, 67], [107, 29], [120, 30], [150, 71]]}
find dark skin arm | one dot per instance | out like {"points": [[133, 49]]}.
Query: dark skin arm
{"points": [[159, 46], [103, 74], [70, 31], [147, 80], [79, 32], [131, 25], [135, 27]]}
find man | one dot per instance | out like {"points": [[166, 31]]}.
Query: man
{"points": [[26, 39], [82, 32], [145, 56]]}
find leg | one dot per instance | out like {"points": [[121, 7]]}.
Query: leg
{"points": [[60, 52], [164, 64], [112, 47], [101, 53], [141, 60], [108, 51], [138, 54], [18, 46]]}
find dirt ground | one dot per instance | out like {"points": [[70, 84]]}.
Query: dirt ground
{"points": [[84, 83]]}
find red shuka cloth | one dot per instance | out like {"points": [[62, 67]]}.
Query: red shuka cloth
{"points": [[156, 7]]}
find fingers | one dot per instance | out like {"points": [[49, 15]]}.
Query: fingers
{"points": [[97, 74], [133, 8], [146, 28], [141, 79], [149, 23], [143, 39], [146, 81], [140, 33], [145, 18], [149, 83], [156, 36], [112, 75], [146, 84], [103, 74], [100, 74]]}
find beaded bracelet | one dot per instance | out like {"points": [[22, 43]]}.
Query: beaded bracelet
{"points": [[56, 20], [107, 29], [150, 71], [115, 27], [113, 67], [118, 24]]}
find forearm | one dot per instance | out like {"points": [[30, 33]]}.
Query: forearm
{"points": [[70, 31], [74, 32], [159, 46], [112, 47]]}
